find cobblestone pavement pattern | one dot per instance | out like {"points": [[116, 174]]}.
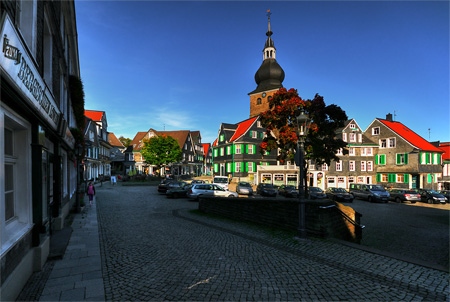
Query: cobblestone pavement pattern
{"points": [[154, 248]]}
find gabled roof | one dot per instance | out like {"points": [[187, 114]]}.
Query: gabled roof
{"points": [[206, 148], [410, 136], [180, 136], [446, 148], [243, 127], [215, 142], [346, 124], [135, 143], [94, 115], [114, 141]]}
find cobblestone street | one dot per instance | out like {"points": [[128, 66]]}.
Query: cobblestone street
{"points": [[154, 248]]}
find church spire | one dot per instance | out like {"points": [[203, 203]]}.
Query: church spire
{"points": [[269, 47]]}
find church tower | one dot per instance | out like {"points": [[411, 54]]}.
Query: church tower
{"points": [[269, 77]]}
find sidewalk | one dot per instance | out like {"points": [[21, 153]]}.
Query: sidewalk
{"points": [[78, 276]]}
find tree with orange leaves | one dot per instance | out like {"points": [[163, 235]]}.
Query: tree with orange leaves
{"points": [[321, 143]]}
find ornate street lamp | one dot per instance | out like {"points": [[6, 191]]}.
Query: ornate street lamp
{"points": [[303, 124]]}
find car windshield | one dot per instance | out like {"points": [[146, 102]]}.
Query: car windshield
{"points": [[220, 180], [218, 188], [244, 184], [340, 190], [290, 188], [375, 187], [314, 189], [432, 191]]}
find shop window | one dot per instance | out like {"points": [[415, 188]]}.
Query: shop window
{"points": [[266, 178], [278, 179], [15, 193]]}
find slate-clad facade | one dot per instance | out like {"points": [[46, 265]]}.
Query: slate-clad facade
{"points": [[236, 150], [38, 175], [404, 159]]}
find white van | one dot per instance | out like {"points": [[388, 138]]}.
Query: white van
{"points": [[221, 181]]}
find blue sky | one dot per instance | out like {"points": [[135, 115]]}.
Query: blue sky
{"points": [[190, 65]]}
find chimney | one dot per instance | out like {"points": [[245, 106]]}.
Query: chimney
{"points": [[389, 117]]}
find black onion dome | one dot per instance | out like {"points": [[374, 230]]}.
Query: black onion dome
{"points": [[269, 76]]}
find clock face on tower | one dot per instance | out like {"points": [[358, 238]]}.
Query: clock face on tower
{"points": [[264, 95]]}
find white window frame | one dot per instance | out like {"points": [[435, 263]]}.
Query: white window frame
{"points": [[339, 152], [344, 136], [16, 227], [351, 151], [351, 165], [352, 126], [238, 149], [369, 165], [352, 137], [390, 140], [250, 167], [251, 149], [238, 167], [339, 165], [376, 131], [363, 165], [324, 167], [400, 178], [254, 134], [383, 143]]}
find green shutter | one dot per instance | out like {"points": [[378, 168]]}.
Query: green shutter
{"points": [[254, 167], [438, 159], [420, 158], [376, 159], [429, 178], [406, 158], [406, 178], [391, 177], [234, 149], [233, 166], [382, 159], [250, 133], [399, 158], [427, 158], [378, 177], [246, 149]]}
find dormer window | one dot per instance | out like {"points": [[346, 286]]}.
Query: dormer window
{"points": [[376, 131], [352, 126], [258, 101]]}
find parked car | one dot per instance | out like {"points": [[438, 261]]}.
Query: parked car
{"points": [[446, 193], [162, 187], [221, 181], [244, 188], [339, 195], [288, 191], [372, 193], [198, 181], [431, 196], [316, 193], [402, 195], [213, 190], [177, 189], [265, 189]]}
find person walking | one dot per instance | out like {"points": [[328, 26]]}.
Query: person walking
{"points": [[91, 192]]}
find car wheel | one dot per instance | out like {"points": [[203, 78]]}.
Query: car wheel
{"points": [[398, 200], [176, 195], [430, 200], [369, 198], [231, 195]]}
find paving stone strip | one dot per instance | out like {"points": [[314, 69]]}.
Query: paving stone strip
{"points": [[390, 273]]}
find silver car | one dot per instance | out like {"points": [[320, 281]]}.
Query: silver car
{"points": [[212, 190], [244, 188]]}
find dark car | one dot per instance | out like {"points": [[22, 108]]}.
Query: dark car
{"points": [[431, 196], [244, 188], [265, 189], [316, 193], [339, 194], [446, 193], [162, 187], [177, 189], [288, 191], [197, 181], [402, 195]]}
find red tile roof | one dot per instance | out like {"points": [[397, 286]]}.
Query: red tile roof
{"points": [[136, 141], [446, 148], [410, 136], [114, 141], [242, 128], [94, 115], [206, 148], [215, 142]]}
